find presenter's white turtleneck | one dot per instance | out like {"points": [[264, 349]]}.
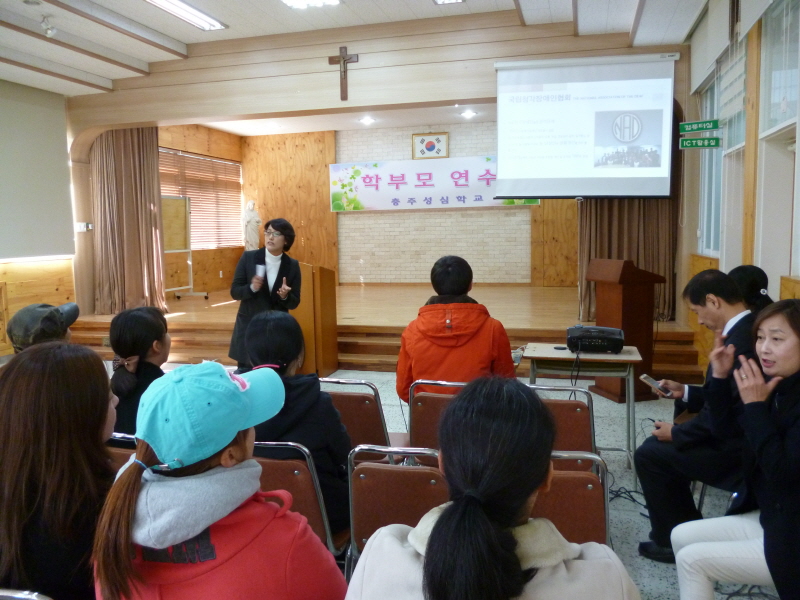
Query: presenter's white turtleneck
{"points": [[273, 264]]}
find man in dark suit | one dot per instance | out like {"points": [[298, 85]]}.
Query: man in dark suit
{"points": [[675, 455]]}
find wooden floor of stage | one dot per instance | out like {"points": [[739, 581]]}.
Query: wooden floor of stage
{"points": [[517, 307]]}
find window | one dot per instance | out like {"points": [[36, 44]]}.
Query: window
{"points": [[711, 183], [214, 189], [779, 64]]}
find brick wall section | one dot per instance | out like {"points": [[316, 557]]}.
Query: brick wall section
{"points": [[401, 247]]}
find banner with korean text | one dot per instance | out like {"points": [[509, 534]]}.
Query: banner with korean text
{"points": [[404, 184]]}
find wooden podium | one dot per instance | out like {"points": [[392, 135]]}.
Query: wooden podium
{"points": [[625, 300], [316, 315]]}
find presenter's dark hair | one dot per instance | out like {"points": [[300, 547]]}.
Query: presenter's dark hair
{"points": [[451, 276], [274, 338], [132, 333], [496, 437], [753, 283], [711, 281], [283, 226]]}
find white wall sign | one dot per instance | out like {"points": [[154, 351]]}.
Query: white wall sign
{"points": [[412, 184]]}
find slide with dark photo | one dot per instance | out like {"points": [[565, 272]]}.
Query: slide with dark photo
{"points": [[584, 127]]}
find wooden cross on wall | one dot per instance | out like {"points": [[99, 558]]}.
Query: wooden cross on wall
{"points": [[342, 59]]}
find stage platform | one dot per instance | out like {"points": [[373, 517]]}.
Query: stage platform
{"points": [[372, 317]]}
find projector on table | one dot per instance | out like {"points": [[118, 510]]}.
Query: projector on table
{"points": [[595, 339]]}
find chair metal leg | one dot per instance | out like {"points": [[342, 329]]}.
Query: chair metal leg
{"points": [[702, 497]]}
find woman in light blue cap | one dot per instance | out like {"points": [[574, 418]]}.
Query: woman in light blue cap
{"points": [[185, 518]]}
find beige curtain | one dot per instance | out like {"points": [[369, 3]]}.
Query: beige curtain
{"points": [[127, 218], [642, 230]]}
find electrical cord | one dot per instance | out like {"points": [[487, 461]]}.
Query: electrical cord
{"points": [[623, 493], [747, 591]]}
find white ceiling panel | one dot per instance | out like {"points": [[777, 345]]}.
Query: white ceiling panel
{"points": [[43, 82], [605, 16], [538, 12], [57, 54], [667, 21], [348, 121], [40, 63], [64, 20]]}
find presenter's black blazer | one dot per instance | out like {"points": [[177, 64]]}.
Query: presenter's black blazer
{"points": [[252, 302]]}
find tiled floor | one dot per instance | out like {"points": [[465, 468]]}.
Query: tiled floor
{"points": [[629, 526]]}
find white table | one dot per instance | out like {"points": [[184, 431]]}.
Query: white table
{"points": [[546, 360]]}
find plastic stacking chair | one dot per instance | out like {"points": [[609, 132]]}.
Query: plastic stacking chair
{"points": [[299, 478], [21, 595], [383, 494], [425, 409], [361, 413], [120, 456], [574, 424], [577, 502]]}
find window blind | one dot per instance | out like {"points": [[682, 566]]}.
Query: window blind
{"points": [[214, 189]]}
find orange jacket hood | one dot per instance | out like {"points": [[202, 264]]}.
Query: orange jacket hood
{"points": [[451, 325]]}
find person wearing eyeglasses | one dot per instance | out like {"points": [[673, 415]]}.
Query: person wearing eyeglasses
{"points": [[265, 279]]}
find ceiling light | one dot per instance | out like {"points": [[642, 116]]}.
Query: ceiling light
{"points": [[447, 1], [307, 3], [189, 14], [49, 30], [367, 120], [468, 114]]}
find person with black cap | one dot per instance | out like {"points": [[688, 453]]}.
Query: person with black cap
{"points": [[38, 323]]}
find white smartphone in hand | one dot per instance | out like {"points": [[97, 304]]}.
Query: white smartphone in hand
{"points": [[654, 384]]}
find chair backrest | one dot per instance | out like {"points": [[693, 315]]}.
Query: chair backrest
{"points": [[577, 502], [361, 412], [122, 451], [299, 478], [21, 595], [574, 424], [425, 409], [385, 494]]}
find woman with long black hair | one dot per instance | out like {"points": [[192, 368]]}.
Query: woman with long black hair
{"points": [[496, 437]]}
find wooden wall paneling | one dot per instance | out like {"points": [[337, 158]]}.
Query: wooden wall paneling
{"points": [[537, 246], [325, 321], [560, 224], [751, 107], [176, 269], [207, 265], [790, 288], [285, 62], [173, 213], [201, 140], [5, 343], [24, 283], [703, 337], [304, 314], [287, 176]]}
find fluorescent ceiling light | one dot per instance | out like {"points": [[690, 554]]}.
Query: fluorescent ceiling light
{"points": [[367, 120], [307, 3], [468, 114], [442, 1], [189, 14]]}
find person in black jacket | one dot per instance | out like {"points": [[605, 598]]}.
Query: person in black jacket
{"points": [[308, 417], [56, 412], [141, 342], [675, 455], [754, 547], [265, 279]]}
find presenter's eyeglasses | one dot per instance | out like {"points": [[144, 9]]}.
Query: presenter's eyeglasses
{"points": [[272, 234]]}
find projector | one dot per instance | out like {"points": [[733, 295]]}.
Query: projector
{"points": [[595, 339]]}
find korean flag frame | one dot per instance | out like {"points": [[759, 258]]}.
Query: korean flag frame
{"points": [[430, 145]]}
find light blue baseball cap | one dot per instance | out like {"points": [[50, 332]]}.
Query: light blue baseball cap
{"points": [[195, 411]]}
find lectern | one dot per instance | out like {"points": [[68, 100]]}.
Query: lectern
{"points": [[625, 299], [317, 318]]}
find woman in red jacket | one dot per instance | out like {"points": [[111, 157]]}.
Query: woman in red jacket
{"points": [[188, 501]]}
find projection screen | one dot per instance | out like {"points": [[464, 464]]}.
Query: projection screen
{"points": [[595, 127]]}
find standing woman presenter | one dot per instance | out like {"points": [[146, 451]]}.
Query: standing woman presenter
{"points": [[265, 279]]}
